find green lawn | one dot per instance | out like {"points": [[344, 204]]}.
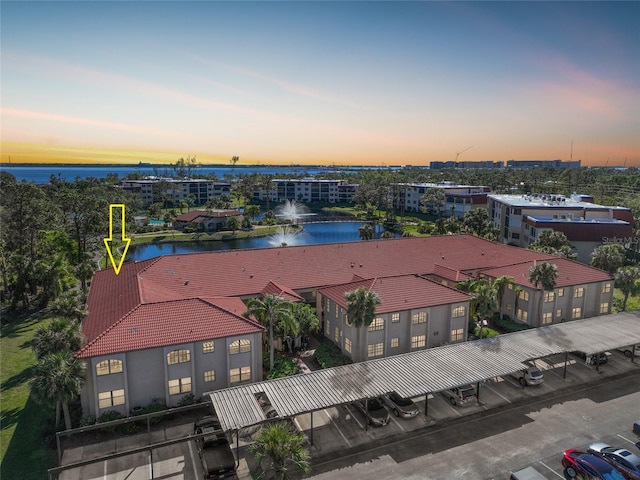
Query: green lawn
{"points": [[633, 302], [23, 435]]}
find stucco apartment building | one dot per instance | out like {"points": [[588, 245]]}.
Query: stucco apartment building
{"points": [[306, 190], [459, 199], [521, 219], [202, 189], [174, 325]]}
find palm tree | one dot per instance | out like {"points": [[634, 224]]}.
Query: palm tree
{"points": [[268, 311], [305, 316], [500, 284], [69, 305], [484, 297], [608, 257], [281, 447], [628, 281], [366, 232], [543, 275], [60, 335], [361, 309], [467, 286], [57, 379]]}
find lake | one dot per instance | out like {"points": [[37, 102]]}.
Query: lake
{"points": [[312, 234]]}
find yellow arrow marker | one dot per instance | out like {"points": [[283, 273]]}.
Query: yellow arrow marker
{"points": [[108, 241]]}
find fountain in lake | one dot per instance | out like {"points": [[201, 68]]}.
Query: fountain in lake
{"points": [[292, 211], [284, 236]]}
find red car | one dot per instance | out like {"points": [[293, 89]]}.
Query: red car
{"points": [[581, 463]]}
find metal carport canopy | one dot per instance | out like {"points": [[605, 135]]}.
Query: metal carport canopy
{"points": [[417, 373]]}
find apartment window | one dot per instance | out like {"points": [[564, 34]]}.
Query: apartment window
{"points": [[549, 297], [347, 344], [336, 334], [420, 317], [515, 236], [457, 334], [459, 312], [395, 341], [604, 307], [240, 374], [377, 324], [180, 385], [109, 366], [111, 399], [239, 346], [510, 286], [375, 350], [606, 288], [337, 310], [208, 347], [179, 356], [346, 319], [210, 376], [578, 293], [395, 317], [576, 312], [419, 341], [327, 305], [523, 295], [327, 328], [561, 292], [547, 318], [558, 313], [522, 315]]}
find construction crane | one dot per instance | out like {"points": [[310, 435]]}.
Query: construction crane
{"points": [[462, 151]]}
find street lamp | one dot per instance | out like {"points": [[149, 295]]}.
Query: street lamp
{"points": [[481, 324]]}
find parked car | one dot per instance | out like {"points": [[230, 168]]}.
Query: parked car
{"points": [[401, 407], [577, 463], [374, 412], [214, 449], [461, 395], [594, 359], [636, 428], [529, 376], [629, 351], [626, 462]]}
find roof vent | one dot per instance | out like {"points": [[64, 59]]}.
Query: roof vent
{"points": [[186, 282]]}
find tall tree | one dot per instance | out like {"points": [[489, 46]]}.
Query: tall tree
{"points": [[57, 380], [361, 310], [281, 448], [608, 257], [366, 232], [554, 243], [433, 201], [628, 281], [543, 275], [500, 284], [59, 335], [69, 305], [268, 311], [305, 315]]}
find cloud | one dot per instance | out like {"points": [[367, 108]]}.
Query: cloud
{"points": [[294, 88]]}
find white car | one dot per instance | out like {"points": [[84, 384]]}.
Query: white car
{"points": [[529, 376]]}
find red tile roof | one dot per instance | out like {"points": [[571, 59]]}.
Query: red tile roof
{"points": [[156, 324], [569, 273], [273, 288], [242, 273], [399, 293]]}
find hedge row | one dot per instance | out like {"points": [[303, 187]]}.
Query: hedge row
{"points": [[329, 355]]}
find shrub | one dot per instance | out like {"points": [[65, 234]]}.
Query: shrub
{"points": [[506, 325], [282, 367], [188, 399], [87, 421], [329, 355], [486, 332], [109, 416]]}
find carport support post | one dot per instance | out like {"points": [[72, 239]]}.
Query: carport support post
{"points": [[564, 371], [478, 392], [151, 453], [633, 353], [311, 434], [597, 361], [366, 415], [426, 404]]}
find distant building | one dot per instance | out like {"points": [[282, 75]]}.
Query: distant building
{"points": [[306, 190], [521, 219], [202, 190], [467, 164], [544, 163], [205, 221], [459, 199]]}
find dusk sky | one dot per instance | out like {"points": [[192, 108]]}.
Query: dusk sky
{"points": [[371, 83]]}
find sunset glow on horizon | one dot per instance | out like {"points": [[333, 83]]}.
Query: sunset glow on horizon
{"points": [[320, 83]]}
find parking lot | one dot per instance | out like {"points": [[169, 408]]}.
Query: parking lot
{"points": [[342, 431]]}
